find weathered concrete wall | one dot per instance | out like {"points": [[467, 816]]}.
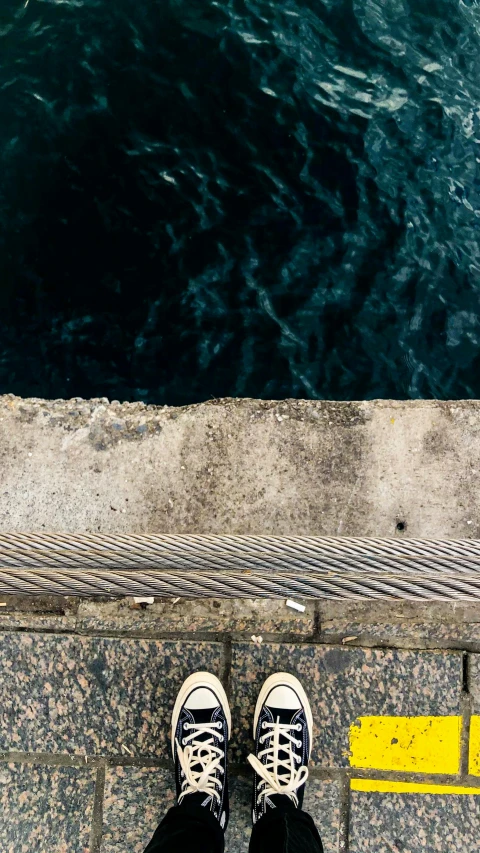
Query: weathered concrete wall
{"points": [[241, 466]]}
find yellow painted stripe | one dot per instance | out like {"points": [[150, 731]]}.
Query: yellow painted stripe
{"points": [[406, 744], [474, 747], [387, 786]]}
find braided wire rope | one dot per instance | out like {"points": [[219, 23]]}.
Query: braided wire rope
{"points": [[239, 566]]}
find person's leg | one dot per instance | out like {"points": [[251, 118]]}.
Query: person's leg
{"points": [[185, 830], [285, 830], [201, 725], [282, 732]]}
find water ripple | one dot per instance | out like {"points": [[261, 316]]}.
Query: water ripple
{"points": [[244, 197]]}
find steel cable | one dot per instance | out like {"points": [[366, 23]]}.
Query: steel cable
{"points": [[239, 566]]}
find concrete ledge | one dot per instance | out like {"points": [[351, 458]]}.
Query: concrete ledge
{"points": [[241, 466]]}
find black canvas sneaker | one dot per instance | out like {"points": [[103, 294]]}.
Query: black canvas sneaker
{"points": [[201, 726], [282, 732]]}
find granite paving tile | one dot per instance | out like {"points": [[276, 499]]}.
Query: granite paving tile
{"points": [[136, 800], [93, 695], [474, 679], [413, 823], [45, 809], [257, 615], [342, 684]]}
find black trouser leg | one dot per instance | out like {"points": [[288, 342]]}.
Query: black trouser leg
{"points": [[285, 830], [187, 829]]}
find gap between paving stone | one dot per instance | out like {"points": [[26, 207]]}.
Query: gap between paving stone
{"points": [[97, 817], [361, 641], [235, 770], [379, 624]]}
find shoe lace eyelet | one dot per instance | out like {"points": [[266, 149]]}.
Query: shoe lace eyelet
{"points": [[219, 725], [184, 740], [298, 743], [298, 727], [186, 726], [264, 725], [220, 738]]}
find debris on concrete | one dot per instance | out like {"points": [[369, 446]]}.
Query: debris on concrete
{"points": [[143, 600], [295, 605]]}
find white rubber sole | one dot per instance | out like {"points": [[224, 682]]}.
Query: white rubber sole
{"points": [[276, 680], [200, 679]]}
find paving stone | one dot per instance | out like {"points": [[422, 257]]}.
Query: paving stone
{"points": [[36, 622], [413, 823], [413, 635], [474, 684], [137, 799], [92, 694], [373, 610], [322, 801], [45, 809], [257, 615], [342, 684], [135, 802], [474, 678], [403, 624], [38, 612]]}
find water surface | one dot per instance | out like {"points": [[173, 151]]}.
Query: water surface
{"points": [[248, 198]]}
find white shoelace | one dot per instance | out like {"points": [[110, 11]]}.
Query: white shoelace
{"points": [[272, 782], [204, 754]]}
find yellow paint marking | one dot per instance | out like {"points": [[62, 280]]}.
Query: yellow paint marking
{"points": [[474, 747], [406, 744], [387, 786]]}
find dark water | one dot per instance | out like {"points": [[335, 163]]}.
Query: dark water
{"points": [[240, 198]]}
